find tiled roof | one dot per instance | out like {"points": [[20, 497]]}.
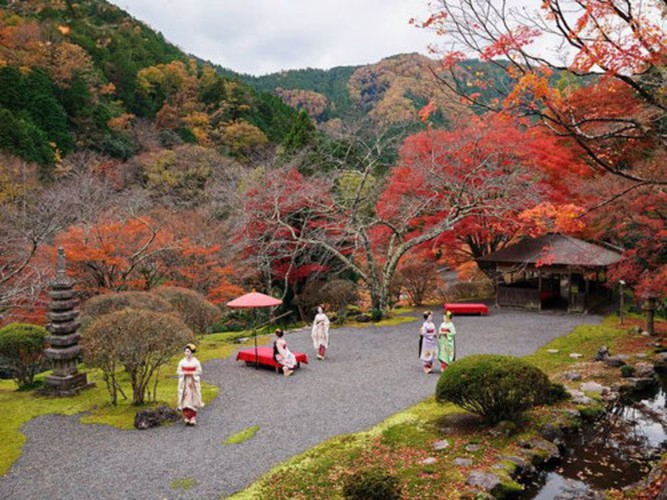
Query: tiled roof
{"points": [[556, 249]]}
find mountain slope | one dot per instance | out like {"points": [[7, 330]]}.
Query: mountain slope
{"points": [[84, 75]]}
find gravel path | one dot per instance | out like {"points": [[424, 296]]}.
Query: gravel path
{"points": [[369, 374]]}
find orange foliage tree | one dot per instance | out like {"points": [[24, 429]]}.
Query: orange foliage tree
{"points": [[140, 253], [602, 86]]}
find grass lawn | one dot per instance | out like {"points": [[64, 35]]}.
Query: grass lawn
{"points": [[403, 445]]}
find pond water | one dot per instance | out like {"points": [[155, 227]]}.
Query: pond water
{"points": [[616, 451]]}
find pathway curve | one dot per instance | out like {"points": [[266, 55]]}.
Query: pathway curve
{"points": [[369, 374]]}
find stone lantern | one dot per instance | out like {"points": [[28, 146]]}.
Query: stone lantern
{"points": [[64, 350]]}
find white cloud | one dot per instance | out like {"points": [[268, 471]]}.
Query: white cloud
{"points": [[263, 36]]}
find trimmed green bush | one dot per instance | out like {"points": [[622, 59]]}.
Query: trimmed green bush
{"points": [[111, 302], [496, 387], [372, 484], [22, 351], [197, 312]]}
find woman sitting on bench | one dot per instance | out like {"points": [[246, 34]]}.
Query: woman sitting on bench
{"points": [[283, 355]]}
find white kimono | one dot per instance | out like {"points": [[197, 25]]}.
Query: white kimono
{"points": [[284, 356], [320, 331], [189, 388]]}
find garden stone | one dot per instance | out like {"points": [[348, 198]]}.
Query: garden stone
{"points": [[463, 462], [522, 465], [615, 361], [593, 387], [644, 370], [602, 354], [472, 448], [503, 429], [575, 355], [485, 480], [363, 318], [634, 384], [441, 445], [573, 376], [640, 355], [545, 450], [578, 397], [429, 460], [552, 433], [552, 351], [155, 417]]}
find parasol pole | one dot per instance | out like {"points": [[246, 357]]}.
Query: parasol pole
{"points": [[254, 330]]}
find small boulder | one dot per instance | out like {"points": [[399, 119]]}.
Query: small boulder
{"points": [[484, 480], [573, 376], [578, 397], [644, 370], [463, 462], [503, 429], [363, 318], [552, 433], [155, 417], [441, 445], [615, 361], [593, 387], [602, 354]]}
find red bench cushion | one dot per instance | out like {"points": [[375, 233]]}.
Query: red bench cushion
{"points": [[265, 356], [467, 308]]}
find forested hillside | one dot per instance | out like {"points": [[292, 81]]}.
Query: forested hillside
{"points": [[389, 92], [152, 167], [85, 75]]}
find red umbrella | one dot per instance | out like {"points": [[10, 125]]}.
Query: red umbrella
{"points": [[254, 300]]}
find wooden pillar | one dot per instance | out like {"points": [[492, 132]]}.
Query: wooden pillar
{"points": [[539, 292], [569, 291]]}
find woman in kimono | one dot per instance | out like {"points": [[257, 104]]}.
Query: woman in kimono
{"points": [[189, 388], [283, 355], [429, 344], [447, 333], [320, 332]]}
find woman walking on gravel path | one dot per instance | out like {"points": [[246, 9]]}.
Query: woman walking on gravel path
{"points": [[320, 332], [429, 343], [189, 388], [446, 333]]}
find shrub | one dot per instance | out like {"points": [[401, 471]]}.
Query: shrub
{"points": [[139, 340], [337, 294], [197, 312], [372, 484], [496, 387], [22, 351], [419, 279], [112, 302]]}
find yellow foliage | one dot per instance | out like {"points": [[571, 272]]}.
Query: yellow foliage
{"points": [[240, 136], [121, 122]]}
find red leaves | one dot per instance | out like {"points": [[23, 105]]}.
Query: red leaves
{"points": [[509, 42]]}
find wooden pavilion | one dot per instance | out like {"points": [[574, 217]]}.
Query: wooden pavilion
{"points": [[552, 272]]}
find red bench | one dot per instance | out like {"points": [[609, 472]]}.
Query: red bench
{"points": [[265, 357], [467, 308]]}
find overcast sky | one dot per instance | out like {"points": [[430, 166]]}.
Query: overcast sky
{"points": [[265, 36]]}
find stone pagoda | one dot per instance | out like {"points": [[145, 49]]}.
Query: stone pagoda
{"points": [[64, 349]]}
